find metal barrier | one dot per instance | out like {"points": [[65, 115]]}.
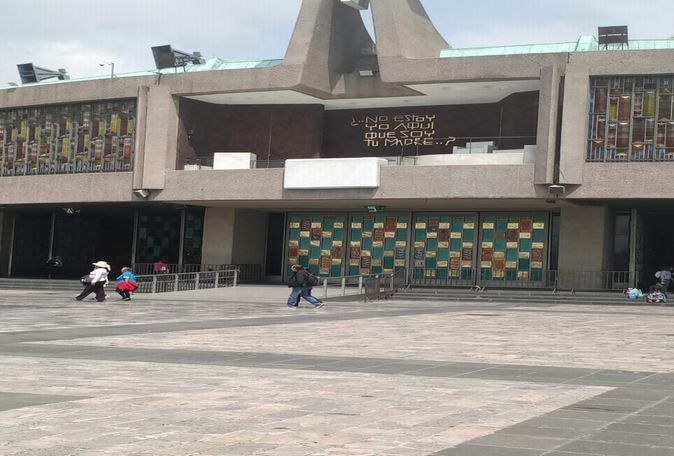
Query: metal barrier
{"points": [[346, 285], [186, 281], [371, 287], [248, 273], [543, 279]]}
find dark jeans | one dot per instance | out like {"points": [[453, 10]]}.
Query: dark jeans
{"points": [[93, 288], [124, 294], [301, 292]]}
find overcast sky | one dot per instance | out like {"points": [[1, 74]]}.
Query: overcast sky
{"points": [[79, 34]]}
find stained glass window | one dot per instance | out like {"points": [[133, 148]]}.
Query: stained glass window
{"points": [[631, 119], [74, 138]]}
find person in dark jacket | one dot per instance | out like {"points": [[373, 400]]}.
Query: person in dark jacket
{"points": [[301, 282], [312, 281], [54, 266]]}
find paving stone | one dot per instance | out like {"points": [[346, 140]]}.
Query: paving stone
{"points": [[201, 374], [613, 449]]}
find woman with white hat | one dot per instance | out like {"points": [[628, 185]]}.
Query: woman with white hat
{"points": [[95, 281]]}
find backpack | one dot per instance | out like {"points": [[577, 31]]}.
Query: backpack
{"points": [[292, 281], [311, 280]]}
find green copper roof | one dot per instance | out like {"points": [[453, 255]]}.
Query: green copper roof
{"points": [[584, 44], [210, 65]]}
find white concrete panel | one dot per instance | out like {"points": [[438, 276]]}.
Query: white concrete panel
{"points": [[332, 173], [233, 160], [503, 157]]}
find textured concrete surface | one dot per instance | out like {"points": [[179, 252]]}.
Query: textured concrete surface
{"points": [[233, 372]]}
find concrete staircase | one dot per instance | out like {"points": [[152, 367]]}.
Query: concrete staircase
{"points": [[515, 296], [41, 284]]}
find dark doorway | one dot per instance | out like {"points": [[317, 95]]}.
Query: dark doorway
{"points": [[81, 239], [275, 231], [658, 246], [31, 245], [115, 242]]}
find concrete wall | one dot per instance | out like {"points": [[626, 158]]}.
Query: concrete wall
{"points": [[585, 241], [546, 134], [90, 188], [218, 235], [250, 233], [494, 183], [574, 125], [233, 236], [161, 137]]}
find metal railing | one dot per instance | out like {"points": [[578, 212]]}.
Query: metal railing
{"points": [[248, 273], [371, 287], [266, 164], [409, 152], [186, 281], [544, 279], [59, 166], [342, 286], [379, 287]]}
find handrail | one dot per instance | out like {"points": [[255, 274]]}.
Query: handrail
{"points": [[247, 272], [187, 281], [539, 278]]}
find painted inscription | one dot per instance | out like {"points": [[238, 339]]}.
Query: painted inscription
{"points": [[400, 130]]}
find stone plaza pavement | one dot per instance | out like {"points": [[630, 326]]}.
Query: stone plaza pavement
{"points": [[234, 372]]}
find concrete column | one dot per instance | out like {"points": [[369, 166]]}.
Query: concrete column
{"points": [[585, 240], [141, 122], [546, 136], [161, 138], [250, 233], [218, 235], [574, 124]]}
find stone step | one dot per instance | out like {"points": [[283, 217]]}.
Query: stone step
{"points": [[444, 294], [40, 284]]}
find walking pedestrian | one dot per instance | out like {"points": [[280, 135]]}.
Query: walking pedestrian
{"points": [[95, 281], [54, 267], [312, 280], [126, 284], [301, 281], [665, 276]]}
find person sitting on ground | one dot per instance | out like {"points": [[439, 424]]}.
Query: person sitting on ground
{"points": [[656, 294], [633, 293]]}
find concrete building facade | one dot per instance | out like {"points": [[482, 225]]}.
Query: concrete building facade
{"points": [[539, 165]]}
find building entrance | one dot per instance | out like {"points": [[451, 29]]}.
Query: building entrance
{"points": [[657, 246]]}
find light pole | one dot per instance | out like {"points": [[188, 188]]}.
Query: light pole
{"points": [[112, 68]]}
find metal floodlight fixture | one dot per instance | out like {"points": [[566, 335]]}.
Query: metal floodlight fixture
{"points": [[615, 34], [167, 57], [142, 193], [556, 189], [30, 73]]}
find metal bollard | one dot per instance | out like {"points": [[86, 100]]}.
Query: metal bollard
{"points": [[175, 283], [325, 288], [236, 278], [343, 286], [154, 284], [360, 285], [196, 281], [217, 279]]}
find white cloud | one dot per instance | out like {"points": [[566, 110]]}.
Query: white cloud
{"points": [[78, 34]]}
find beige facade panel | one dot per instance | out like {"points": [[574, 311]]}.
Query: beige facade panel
{"points": [[91, 188]]}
